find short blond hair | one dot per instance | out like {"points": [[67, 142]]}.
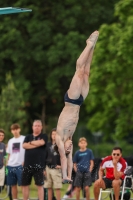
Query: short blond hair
{"points": [[82, 139]]}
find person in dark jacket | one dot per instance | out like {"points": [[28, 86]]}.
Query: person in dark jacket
{"points": [[53, 169]]}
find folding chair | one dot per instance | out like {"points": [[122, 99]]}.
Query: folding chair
{"points": [[127, 184], [6, 193], [109, 191]]}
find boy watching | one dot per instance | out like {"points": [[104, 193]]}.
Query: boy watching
{"points": [[83, 165], [2, 154], [15, 159]]}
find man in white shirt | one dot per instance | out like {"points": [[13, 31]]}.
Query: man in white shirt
{"points": [[15, 161]]}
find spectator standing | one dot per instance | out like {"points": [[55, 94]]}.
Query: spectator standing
{"points": [[53, 169], [2, 155], [83, 165], [35, 160], [15, 159], [113, 168]]}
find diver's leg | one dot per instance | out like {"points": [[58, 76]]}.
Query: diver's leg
{"points": [[85, 86], [75, 89]]}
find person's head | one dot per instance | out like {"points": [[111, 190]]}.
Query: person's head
{"points": [[2, 134], [37, 127], [116, 153], [68, 146], [15, 130], [82, 143], [53, 134]]}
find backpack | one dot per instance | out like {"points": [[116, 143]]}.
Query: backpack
{"points": [[129, 171], [126, 196]]}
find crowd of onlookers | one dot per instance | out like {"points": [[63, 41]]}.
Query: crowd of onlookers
{"points": [[26, 157], [32, 156]]}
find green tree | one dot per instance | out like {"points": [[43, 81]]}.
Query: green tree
{"points": [[11, 107], [40, 48], [110, 100]]}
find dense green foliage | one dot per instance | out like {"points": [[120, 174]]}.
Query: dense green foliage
{"points": [[110, 99], [40, 49], [11, 107]]}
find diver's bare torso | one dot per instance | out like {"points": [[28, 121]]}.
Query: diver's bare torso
{"points": [[68, 121]]}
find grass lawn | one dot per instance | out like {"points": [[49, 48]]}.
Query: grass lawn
{"points": [[33, 192]]}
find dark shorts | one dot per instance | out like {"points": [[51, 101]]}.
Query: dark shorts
{"points": [[29, 172], [14, 175], [83, 179], [108, 182], [78, 101]]}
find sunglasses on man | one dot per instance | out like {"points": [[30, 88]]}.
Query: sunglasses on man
{"points": [[116, 154]]}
